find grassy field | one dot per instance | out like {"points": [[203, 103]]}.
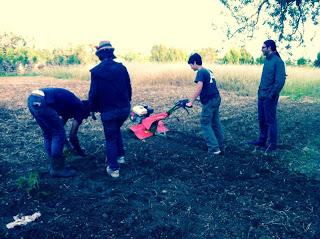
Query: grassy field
{"points": [[242, 79]]}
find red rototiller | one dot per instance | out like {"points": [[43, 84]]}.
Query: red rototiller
{"points": [[146, 124]]}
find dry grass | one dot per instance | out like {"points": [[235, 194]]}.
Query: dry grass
{"points": [[242, 79]]}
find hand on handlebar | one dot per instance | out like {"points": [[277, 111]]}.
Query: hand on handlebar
{"points": [[189, 104]]}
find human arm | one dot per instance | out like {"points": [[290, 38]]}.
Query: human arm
{"points": [[195, 94], [280, 77], [93, 94], [73, 137], [126, 79], [128, 84]]}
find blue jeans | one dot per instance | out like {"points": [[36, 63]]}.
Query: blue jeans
{"points": [[211, 126], [50, 123], [267, 112], [114, 144]]}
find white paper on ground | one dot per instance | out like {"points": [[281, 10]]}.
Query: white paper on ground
{"points": [[23, 220]]}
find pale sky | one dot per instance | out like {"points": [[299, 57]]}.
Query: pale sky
{"points": [[130, 25]]}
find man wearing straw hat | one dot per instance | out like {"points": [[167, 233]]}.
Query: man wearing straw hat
{"points": [[110, 94]]}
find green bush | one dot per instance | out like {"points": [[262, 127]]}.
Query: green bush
{"points": [[160, 53], [209, 55], [235, 56], [317, 61], [245, 57], [303, 61], [16, 55], [260, 60]]}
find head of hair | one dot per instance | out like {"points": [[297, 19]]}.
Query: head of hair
{"points": [[271, 43], [105, 54], [195, 58]]}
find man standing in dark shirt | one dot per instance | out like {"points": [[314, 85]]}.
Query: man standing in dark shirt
{"points": [[210, 99], [272, 81], [52, 107], [110, 94]]}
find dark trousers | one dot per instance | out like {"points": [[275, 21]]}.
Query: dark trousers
{"points": [[114, 144], [267, 115], [50, 123]]}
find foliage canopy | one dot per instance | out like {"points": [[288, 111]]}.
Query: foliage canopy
{"points": [[284, 17]]}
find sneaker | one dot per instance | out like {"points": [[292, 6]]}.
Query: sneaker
{"points": [[121, 160], [257, 143], [113, 173], [215, 151], [218, 152]]}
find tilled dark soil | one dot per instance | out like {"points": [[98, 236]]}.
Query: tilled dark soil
{"points": [[170, 187]]}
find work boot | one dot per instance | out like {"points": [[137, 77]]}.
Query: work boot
{"points": [[259, 143], [58, 170], [49, 162]]}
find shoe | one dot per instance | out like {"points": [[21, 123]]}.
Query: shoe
{"points": [[257, 143], [222, 149], [113, 173], [215, 152], [121, 160], [57, 170], [62, 173]]}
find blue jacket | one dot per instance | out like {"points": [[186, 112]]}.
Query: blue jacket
{"points": [[66, 104], [110, 89], [273, 77]]}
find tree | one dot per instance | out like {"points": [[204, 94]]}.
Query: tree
{"points": [[12, 53], [232, 57], [284, 17], [245, 57], [209, 54], [260, 60], [160, 53], [317, 61], [289, 62], [303, 61]]}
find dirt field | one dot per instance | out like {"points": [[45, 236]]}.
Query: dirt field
{"points": [[170, 188]]}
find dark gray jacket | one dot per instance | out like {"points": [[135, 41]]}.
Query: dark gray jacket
{"points": [[273, 77], [110, 87]]}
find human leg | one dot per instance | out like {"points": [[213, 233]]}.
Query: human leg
{"points": [[54, 135], [217, 128], [111, 132], [271, 120], [263, 127], [208, 110], [121, 152]]}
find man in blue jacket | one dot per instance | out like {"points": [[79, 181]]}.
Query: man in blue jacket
{"points": [[51, 108], [110, 94], [272, 81]]}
